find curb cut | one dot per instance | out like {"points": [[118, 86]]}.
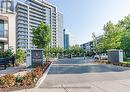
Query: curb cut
{"points": [[43, 77]]}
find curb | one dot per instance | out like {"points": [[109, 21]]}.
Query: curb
{"points": [[43, 77]]}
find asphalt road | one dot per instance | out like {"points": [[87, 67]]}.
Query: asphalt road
{"points": [[78, 75]]}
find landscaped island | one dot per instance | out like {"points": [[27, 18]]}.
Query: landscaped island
{"points": [[22, 81]]}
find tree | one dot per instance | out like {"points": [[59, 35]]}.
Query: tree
{"points": [[95, 44], [125, 41], [111, 37], [55, 52], [41, 36], [67, 52], [115, 36], [124, 24], [74, 50]]}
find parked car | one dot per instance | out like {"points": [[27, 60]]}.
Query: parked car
{"points": [[102, 56], [96, 57]]}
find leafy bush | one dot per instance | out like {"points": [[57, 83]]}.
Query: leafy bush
{"points": [[1, 81], [28, 79], [1, 54], [19, 78], [32, 76], [20, 56], [125, 58], [7, 53], [7, 81]]}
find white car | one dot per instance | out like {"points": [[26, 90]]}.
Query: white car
{"points": [[103, 56]]}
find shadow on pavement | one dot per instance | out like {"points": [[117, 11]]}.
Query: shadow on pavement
{"points": [[73, 61], [78, 69]]}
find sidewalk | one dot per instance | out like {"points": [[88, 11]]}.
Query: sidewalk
{"points": [[14, 70], [41, 90], [104, 86]]}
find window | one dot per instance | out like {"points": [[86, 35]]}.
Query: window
{"points": [[1, 28]]}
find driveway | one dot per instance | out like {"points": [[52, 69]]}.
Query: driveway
{"points": [[78, 75]]}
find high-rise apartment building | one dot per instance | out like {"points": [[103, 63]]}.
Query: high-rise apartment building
{"points": [[7, 6], [66, 40], [60, 30], [29, 15]]}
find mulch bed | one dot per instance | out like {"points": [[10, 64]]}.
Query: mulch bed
{"points": [[17, 88], [14, 88], [117, 64]]}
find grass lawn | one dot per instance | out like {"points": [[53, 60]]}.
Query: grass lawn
{"points": [[127, 62]]}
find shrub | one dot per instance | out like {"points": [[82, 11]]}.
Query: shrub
{"points": [[8, 53], [29, 78], [20, 56], [7, 81], [1, 81], [1, 54], [125, 58], [19, 80], [37, 72], [32, 76]]}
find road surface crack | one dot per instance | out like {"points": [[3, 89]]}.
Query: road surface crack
{"points": [[99, 87], [64, 88]]}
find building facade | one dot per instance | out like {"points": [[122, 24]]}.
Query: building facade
{"points": [[60, 30], [7, 6], [66, 40], [29, 15], [7, 25], [88, 47], [7, 32]]}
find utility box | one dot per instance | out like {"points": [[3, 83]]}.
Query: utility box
{"points": [[115, 56], [34, 58]]}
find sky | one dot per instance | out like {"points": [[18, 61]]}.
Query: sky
{"points": [[83, 17]]}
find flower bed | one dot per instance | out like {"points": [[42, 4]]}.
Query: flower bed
{"points": [[12, 82], [124, 64], [101, 62]]}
